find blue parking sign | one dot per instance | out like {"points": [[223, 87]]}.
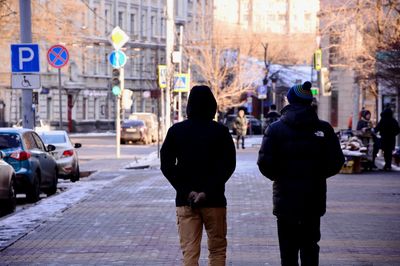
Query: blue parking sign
{"points": [[25, 58]]}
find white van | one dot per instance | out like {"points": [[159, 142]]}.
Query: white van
{"points": [[151, 123]]}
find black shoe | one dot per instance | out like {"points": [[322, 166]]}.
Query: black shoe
{"points": [[387, 168]]}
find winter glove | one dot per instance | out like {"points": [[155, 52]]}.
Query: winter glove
{"points": [[196, 199]]}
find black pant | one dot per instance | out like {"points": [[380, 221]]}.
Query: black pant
{"points": [[299, 235], [238, 139], [388, 154]]}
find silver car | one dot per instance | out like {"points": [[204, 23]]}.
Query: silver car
{"points": [[65, 153], [7, 187]]}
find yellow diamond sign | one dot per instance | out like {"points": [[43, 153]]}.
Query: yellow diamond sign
{"points": [[118, 38]]}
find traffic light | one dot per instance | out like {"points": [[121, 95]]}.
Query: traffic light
{"points": [[115, 79], [326, 86], [116, 82], [318, 59]]}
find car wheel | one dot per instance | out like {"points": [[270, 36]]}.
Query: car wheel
{"points": [[33, 193], [75, 177], [11, 202], [53, 189], [122, 141]]}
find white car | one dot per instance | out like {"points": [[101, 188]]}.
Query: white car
{"points": [[65, 153], [7, 187]]}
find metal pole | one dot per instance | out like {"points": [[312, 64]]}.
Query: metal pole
{"points": [[59, 98], [168, 54], [26, 37], [118, 117], [118, 127]]}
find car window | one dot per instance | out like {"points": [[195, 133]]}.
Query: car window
{"points": [[39, 142], [29, 141], [9, 141], [53, 138], [132, 123]]}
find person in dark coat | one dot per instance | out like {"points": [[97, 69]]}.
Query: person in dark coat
{"points": [[198, 157], [299, 152], [272, 115], [388, 127]]}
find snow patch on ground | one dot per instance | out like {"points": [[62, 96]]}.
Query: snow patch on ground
{"points": [[17, 225]]}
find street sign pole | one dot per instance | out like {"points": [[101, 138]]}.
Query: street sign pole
{"points": [[59, 98], [118, 116], [26, 37]]}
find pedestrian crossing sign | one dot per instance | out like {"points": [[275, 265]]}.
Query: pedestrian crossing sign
{"points": [[162, 76], [181, 82]]}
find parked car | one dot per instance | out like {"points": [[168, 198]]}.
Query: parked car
{"points": [[40, 125], [134, 130], [151, 123], [254, 126], [7, 187], [34, 166], [65, 153]]}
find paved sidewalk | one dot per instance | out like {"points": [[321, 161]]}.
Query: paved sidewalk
{"points": [[131, 221]]}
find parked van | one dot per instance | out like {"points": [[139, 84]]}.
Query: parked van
{"points": [[151, 123]]}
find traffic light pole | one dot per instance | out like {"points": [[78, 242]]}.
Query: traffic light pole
{"points": [[118, 115], [26, 37]]}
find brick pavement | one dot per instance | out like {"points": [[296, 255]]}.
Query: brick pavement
{"points": [[132, 222]]}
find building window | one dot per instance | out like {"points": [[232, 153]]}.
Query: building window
{"points": [[162, 31], [49, 109], [121, 19], [153, 26], [85, 104], [133, 24], [106, 64], [106, 21], [143, 27], [95, 19], [334, 108], [96, 108]]}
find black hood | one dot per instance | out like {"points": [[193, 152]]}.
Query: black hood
{"points": [[201, 104], [387, 113], [299, 116]]}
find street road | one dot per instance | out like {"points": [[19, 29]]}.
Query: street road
{"points": [[101, 147]]}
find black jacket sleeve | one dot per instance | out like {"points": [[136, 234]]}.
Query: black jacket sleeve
{"points": [[334, 158], [168, 156], [267, 154]]}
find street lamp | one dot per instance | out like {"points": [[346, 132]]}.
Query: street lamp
{"points": [[274, 78]]}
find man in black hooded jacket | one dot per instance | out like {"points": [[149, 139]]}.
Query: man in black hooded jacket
{"points": [[299, 152], [198, 157]]}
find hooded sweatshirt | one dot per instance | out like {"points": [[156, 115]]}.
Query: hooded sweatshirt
{"points": [[298, 153], [198, 154], [388, 128]]}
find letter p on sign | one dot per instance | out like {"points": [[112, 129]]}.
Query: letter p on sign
{"points": [[25, 58]]}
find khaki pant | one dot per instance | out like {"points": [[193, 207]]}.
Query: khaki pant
{"points": [[190, 227]]}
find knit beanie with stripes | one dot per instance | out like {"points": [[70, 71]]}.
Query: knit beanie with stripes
{"points": [[300, 94]]}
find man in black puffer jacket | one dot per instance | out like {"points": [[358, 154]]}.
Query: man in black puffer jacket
{"points": [[198, 157], [298, 153]]}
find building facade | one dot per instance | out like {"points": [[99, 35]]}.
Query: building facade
{"points": [[83, 27]]}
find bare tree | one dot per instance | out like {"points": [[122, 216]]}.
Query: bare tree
{"points": [[358, 30], [217, 59]]}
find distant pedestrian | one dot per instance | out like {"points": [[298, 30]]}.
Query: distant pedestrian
{"points": [[388, 127], [299, 152], [272, 115], [365, 126], [240, 125], [198, 157]]}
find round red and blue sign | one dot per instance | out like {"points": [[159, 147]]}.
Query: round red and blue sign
{"points": [[57, 56]]}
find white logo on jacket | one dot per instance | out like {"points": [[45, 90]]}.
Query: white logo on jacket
{"points": [[319, 134]]}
